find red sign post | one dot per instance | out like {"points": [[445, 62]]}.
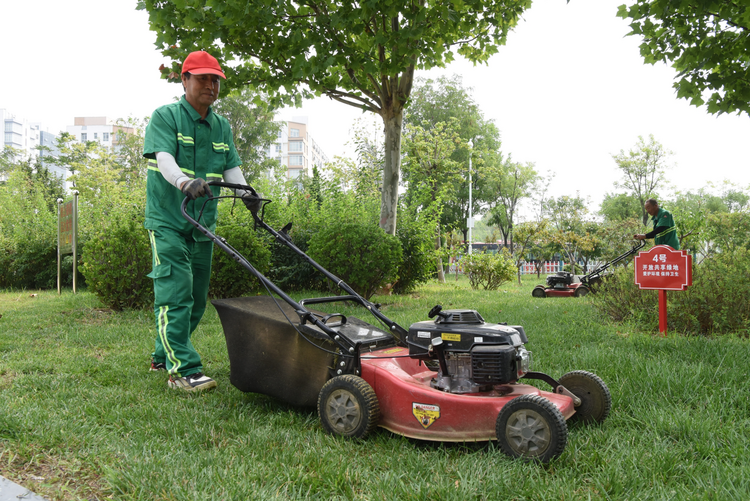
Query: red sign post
{"points": [[664, 269]]}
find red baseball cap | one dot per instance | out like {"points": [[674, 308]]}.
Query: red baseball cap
{"points": [[201, 62]]}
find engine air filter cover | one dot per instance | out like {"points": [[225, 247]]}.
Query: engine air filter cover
{"points": [[459, 317], [493, 364]]}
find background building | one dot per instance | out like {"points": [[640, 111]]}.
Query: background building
{"points": [[24, 137], [296, 149], [98, 129], [20, 134]]}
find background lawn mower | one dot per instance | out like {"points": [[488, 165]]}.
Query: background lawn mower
{"points": [[456, 378], [565, 283]]}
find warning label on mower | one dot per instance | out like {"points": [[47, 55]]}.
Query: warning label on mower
{"points": [[450, 337], [426, 414]]}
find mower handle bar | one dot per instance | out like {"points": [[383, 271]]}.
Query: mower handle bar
{"points": [[302, 312], [305, 315], [234, 186], [616, 260]]}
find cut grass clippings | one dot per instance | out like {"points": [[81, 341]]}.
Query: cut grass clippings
{"points": [[83, 418]]}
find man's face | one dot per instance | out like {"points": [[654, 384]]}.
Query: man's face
{"points": [[651, 209], [201, 90]]}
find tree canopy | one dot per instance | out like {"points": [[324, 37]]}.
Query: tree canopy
{"points": [[446, 101], [363, 54], [511, 183], [706, 41], [643, 170]]}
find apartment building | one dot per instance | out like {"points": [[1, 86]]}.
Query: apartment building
{"points": [[98, 129], [20, 134], [24, 137], [296, 149]]}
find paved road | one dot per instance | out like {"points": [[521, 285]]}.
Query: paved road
{"points": [[14, 492]]}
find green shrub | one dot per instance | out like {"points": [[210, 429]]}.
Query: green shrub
{"points": [[29, 232], [6, 261], [719, 299], [117, 260], [32, 264], [289, 270], [362, 255], [418, 263], [618, 297], [488, 270], [229, 278]]}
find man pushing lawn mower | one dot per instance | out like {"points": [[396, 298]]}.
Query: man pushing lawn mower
{"points": [[185, 144], [665, 231]]}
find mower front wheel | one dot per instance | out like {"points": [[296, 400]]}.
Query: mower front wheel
{"points": [[596, 400], [348, 406], [530, 427], [539, 291]]}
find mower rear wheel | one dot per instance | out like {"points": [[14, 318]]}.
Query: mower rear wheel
{"points": [[532, 428], [539, 291], [596, 400], [348, 406], [581, 291]]}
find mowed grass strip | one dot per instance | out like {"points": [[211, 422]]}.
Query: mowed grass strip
{"points": [[81, 417]]}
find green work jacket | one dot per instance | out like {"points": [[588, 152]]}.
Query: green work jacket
{"points": [[668, 236], [202, 148]]}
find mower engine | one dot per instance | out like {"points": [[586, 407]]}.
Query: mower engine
{"points": [[560, 280], [472, 355]]}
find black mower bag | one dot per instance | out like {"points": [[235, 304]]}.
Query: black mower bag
{"points": [[267, 355]]}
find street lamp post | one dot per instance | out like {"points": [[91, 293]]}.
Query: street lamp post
{"points": [[470, 221]]}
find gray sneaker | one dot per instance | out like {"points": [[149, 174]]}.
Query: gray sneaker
{"points": [[193, 382]]}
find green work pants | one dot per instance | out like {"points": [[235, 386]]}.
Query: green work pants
{"points": [[181, 273]]}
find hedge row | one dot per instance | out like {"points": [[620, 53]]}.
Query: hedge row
{"points": [[116, 259]]}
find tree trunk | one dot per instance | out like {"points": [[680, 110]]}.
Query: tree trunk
{"points": [[439, 264], [440, 271], [644, 214], [391, 169]]}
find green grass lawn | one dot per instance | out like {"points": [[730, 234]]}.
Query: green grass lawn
{"points": [[81, 417]]}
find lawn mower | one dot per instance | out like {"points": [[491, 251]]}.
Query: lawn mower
{"points": [[565, 283], [456, 378]]}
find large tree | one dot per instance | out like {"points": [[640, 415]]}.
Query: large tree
{"points": [[446, 100], [617, 207], [706, 41], [363, 54], [567, 216], [129, 149], [510, 184], [643, 170], [430, 172]]}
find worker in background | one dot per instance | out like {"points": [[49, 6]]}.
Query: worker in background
{"points": [[664, 230]]}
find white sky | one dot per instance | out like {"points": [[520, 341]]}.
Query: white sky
{"points": [[567, 91]]}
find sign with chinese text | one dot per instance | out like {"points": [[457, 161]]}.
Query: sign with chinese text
{"points": [[664, 268]]}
